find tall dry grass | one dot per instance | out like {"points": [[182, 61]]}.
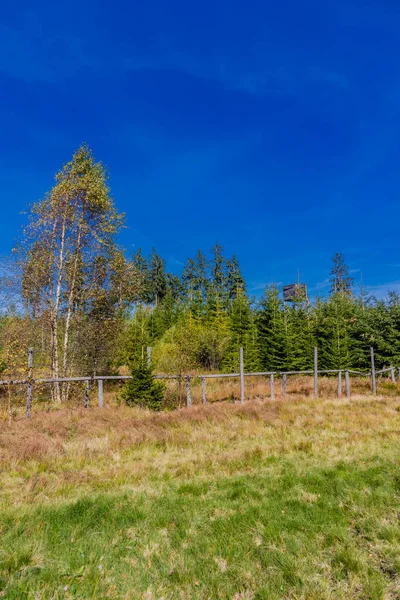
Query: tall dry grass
{"points": [[77, 434], [294, 498]]}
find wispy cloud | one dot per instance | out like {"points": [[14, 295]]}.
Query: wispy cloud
{"points": [[381, 290], [175, 262], [260, 286], [321, 285]]}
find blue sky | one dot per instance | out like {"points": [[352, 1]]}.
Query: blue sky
{"points": [[270, 127]]}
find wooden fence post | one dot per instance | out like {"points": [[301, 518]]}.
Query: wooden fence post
{"points": [[87, 388], [188, 392], [203, 390], [284, 385], [272, 386], [347, 377], [101, 393], [339, 384], [373, 376], [29, 387], [241, 376], [393, 375], [149, 356], [315, 372]]}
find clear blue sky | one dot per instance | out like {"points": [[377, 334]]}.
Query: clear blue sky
{"points": [[272, 127]]}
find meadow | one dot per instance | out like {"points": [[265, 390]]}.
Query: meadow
{"points": [[293, 499]]}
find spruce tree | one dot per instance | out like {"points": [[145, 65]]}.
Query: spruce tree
{"points": [[188, 277], [252, 360], [239, 326], [299, 336], [340, 280], [143, 389], [216, 314], [393, 307], [271, 331], [234, 279], [141, 265], [201, 276], [218, 274], [362, 332], [380, 334], [157, 277], [195, 279], [137, 337], [333, 332], [175, 287], [163, 316]]}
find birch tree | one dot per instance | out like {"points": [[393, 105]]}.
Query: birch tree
{"points": [[69, 258]]}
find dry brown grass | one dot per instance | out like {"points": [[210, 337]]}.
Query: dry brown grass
{"points": [[307, 483], [48, 434], [275, 426], [218, 390]]}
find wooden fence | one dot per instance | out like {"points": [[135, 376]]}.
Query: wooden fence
{"points": [[30, 381]]}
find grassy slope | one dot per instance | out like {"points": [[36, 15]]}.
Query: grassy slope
{"points": [[294, 499]]}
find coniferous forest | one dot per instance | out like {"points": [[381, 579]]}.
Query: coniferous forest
{"points": [[201, 319], [85, 307]]}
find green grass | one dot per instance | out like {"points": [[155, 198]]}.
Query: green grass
{"points": [[269, 515]]}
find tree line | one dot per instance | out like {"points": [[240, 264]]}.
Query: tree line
{"points": [[87, 308], [202, 319]]}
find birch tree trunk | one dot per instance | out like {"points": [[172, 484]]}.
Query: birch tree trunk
{"points": [[71, 298], [55, 317]]}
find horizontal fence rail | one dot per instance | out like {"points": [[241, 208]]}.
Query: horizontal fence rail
{"points": [[30, 381]]}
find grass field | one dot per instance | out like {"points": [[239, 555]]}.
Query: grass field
{"points": [[288, 499]]}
